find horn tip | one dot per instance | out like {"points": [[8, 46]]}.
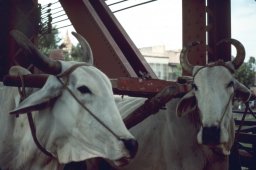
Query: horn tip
{"points": [[15, 33], [74, 33], [21, 38]]}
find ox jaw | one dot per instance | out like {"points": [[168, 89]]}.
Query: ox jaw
{"points": [[221, 147], [119, 162], [131, 148], [122, 161]]}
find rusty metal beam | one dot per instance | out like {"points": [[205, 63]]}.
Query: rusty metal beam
{"points": [[219, 27], [122, 39], [194, 29], [108, 56]]}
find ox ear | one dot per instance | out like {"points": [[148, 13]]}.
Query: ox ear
{"points": [[241, 92], [186, 104], [40, 99]]}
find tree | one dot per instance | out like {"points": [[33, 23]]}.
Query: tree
{"points": [[49, 41], [76, 52], [246, 73]]}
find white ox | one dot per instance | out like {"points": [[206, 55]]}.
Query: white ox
{"points": [[195, 132], [74, 122]]}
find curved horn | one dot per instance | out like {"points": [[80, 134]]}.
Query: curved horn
{"points": [[240, 52], [184, 59], [37, 58], [87, 55]]}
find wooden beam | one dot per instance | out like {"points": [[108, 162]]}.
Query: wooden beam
{"points": [[21, 15], [108, 56], [136, 87], [154, 104], [5, 12]]}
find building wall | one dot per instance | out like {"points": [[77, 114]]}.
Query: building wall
{"points": [[165, 63]]}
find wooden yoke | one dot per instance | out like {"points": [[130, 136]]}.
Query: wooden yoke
{"points": [[159, 92], [135, 87], [154, 104]]}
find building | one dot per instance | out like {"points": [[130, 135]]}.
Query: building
{"points": [[165, 63], [67, 48]]}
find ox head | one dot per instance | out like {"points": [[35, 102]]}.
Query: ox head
{"points": [[77, 115], [213, 90]]}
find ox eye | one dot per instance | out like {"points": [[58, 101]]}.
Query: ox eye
{"points": [[230, 84], [84, 90], [194, 86]]}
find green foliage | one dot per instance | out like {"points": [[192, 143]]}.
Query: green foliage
{"points": [[246, 73], [178, 72], [76, 52], [48, 41]]}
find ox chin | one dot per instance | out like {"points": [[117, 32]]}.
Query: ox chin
{"points": [[221, 149], [211, 137]]}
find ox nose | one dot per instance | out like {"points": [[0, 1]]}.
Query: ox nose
{"points": [[131, 145], [211, 135]]}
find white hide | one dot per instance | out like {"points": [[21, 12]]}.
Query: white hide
{"points": [[213, 95], [64, 129], [168, 140]]}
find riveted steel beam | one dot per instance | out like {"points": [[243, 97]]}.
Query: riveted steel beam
{"points": [[131, 52], [107, 54], [219, 27], [194, 29]]}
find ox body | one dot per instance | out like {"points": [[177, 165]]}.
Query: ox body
{"points": [[195, 132], [74, 114]]}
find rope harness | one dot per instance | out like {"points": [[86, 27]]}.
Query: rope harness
{"points": [[64, 76], [23, 95]]}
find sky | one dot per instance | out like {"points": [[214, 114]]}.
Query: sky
{"points": [[243, 22], [160, 23]]}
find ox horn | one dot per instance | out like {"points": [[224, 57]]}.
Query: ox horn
{"points": [[240, 52], [41, 61], [184, 59], [87, 55]]}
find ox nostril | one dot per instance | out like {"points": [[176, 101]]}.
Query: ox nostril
{"points": [[211, 135], [131, 145]]}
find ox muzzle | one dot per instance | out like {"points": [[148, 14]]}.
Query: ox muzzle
{"points": [[211, 135]]}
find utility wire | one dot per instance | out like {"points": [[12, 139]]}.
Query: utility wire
{"points": [[50, 4], [64, 26], [132, 6], [117, 2], [60, 21]]}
